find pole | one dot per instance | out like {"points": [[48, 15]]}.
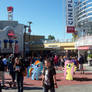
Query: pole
{"points": [[29, 35], [24, 40]]}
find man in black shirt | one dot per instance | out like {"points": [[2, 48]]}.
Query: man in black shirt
{"points": [[49, 77], [81, 62]]}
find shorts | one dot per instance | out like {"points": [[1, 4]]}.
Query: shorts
{"points": [[81, 67]]}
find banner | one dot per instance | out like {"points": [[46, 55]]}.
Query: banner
{"points": [[70, 16]]}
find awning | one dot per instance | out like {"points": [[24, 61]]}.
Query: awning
{"points": [[84, 48]]}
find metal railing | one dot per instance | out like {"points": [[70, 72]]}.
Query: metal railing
{"points": [[84, 41]]}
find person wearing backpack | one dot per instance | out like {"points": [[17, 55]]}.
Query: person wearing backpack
{"points": [[49, 77]]}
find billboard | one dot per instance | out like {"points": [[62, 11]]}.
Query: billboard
{"points": [[70, 16]]}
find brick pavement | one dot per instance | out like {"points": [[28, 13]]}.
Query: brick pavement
{"points": [[79, 79]]}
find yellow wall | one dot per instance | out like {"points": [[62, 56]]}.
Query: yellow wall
{"points": [[65, 46]]}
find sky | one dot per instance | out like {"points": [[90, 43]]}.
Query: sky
{"points": [[47, 16]]}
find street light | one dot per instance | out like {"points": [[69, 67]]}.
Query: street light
{"points": [[29, 30], [25, 27]]}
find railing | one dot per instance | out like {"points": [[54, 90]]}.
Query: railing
{"points": [[84, 41], [49, 41]]}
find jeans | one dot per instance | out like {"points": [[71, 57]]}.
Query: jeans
{"points": [[47, 88], [20, 82], [12, 73]]}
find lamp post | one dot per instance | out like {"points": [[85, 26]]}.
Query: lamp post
{"points": [[25, 27], [29, 30]]}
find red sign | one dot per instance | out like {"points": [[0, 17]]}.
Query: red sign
{"points": [[29, 30], [83, 48], [70, 29], [10, 9], [11, 34]]}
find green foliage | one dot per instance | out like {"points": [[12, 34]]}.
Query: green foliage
{"points": [[51, 37], [90, 55]]}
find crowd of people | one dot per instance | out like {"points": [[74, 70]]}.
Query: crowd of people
{"points": [[16, 67]]}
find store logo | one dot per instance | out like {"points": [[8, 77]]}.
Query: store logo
{"points": [[70, 16], [11, 34]]}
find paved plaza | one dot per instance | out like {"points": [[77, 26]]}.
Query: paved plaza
{"points": [[81, 83], [73, 88]]}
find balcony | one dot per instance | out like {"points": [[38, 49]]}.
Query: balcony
{"points": [[84, 41]]}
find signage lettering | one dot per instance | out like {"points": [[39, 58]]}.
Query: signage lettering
{"points": [[70, 15]]}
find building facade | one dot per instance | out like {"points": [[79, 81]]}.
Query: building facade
{"points": [[11, 37], [83, 17], [83, 24]]}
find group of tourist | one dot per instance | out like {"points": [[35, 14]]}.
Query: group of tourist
{"points": [[16, 67]]}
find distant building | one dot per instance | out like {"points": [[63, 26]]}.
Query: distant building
{"points": [[83, 24], [11, 37], [34, 44]]}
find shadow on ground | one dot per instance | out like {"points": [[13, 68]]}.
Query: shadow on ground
{"points": [[33, 88], [88, 73], [82, 79], [58, 79], [25, 88]]}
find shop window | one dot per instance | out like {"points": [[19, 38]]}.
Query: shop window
{"points": [[5, 45]]}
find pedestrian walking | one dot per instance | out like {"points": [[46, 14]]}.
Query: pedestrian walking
{"points": [[81, 62], [2, 67], [49, 77], [19, 73], [12, 72], [61, 61], [56, 61]]}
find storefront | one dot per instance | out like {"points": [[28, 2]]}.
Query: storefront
{"points": [[84, 46], [11, 37]]}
